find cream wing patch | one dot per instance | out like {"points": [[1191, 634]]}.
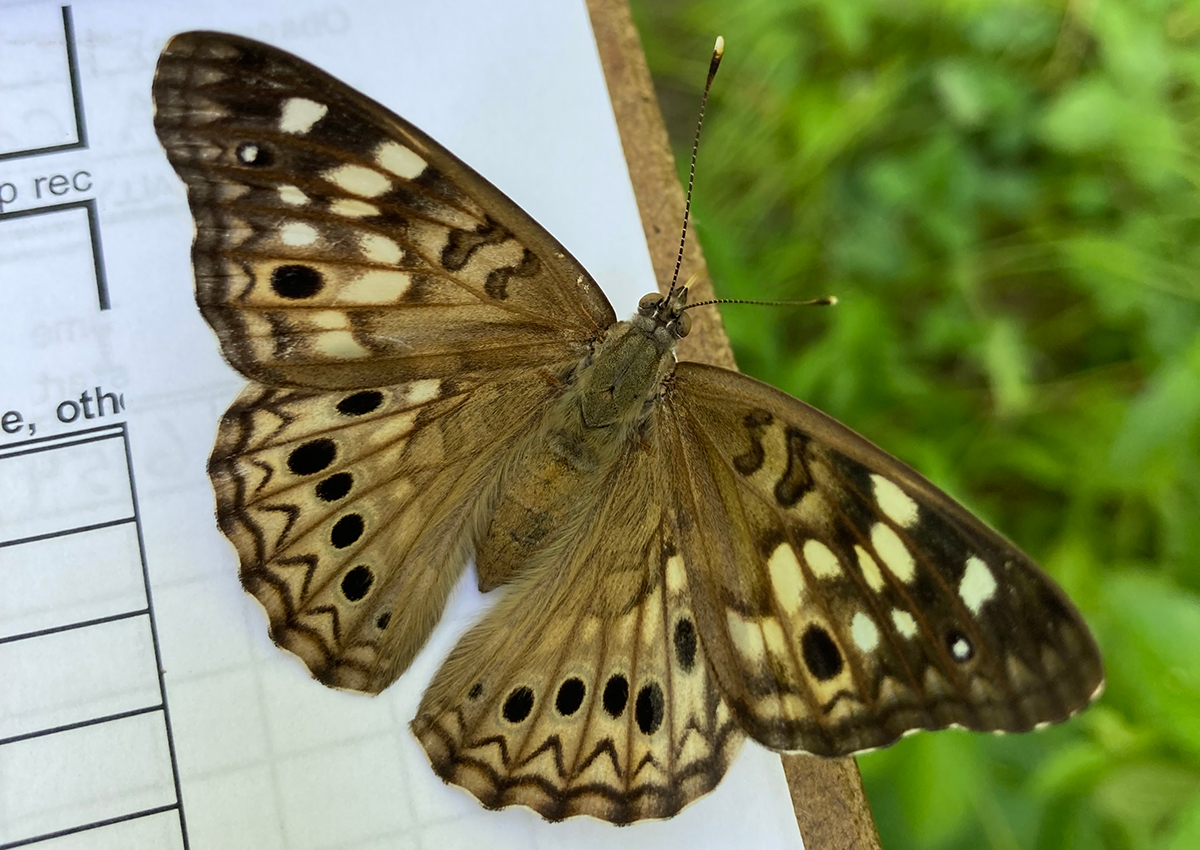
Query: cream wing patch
{"points": [[896, 505], [380, 249], [978, 585], [821, 560], [904, 623], [358, 180], [300, 114], [297, 234], [375, 287], [893, 552], [865, 632], [787, 580], [293, 196], [400, 160]]}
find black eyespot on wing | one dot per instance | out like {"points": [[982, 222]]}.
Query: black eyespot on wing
{"points": [[648, 710], [296, 282], [685, 644], [335, 487], [570, 696], [255, 155], [357, 583], [311, 457], [616, 695], [960, 648], [820, 653], [361, 403], [518, 705], [346, 531], [476, 691], [381, 622]]}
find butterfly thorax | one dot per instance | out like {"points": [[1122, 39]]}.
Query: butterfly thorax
{"points": [[561, 469]]}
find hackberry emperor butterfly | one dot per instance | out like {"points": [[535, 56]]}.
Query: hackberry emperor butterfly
{"points": [[689, 556]]}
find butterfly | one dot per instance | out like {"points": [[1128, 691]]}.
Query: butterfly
{"points": [[688, 557]]}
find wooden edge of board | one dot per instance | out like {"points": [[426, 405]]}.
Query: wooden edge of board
{"points": [[827, 794]]}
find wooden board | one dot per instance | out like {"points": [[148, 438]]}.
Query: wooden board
{"points": [[827, 794]]}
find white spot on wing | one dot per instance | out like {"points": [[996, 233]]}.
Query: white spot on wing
{"points": [[358, 180], [297, 233], [300, 114], [786, 578], [292, 196], [904, 622], [870, 569], [865, 632], [375, 287], [746, 635], [978, 585], [400, 160], [774, 638], [380, 249], [422, 391], [353, 208], [330, 320], [340, 345], [893, 553], [960, 649], [896, 505], [247, 153], [821, 560], [676, 577]]}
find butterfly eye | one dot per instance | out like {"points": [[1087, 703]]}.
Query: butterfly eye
{"points": [[682, 326], [649, 304]]}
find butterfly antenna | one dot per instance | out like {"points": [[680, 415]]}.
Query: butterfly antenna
{"points": [[718, 52], [824, 301]]}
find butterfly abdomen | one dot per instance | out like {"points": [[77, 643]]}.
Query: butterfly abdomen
{"points": [[554, 478]]}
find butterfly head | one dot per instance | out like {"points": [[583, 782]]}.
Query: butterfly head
{"points": [[658, 313]]}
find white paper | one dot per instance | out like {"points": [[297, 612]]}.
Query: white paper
{"points": [[111, 567]]}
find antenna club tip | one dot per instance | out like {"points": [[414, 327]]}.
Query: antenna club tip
{"points": [[832, 300], [719, 47]]}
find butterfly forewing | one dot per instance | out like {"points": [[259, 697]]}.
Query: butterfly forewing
{"points": [[405, 323], [844, 600], [338, 246]]}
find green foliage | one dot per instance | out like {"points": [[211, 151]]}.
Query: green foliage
{"points": [[1005, 196]]}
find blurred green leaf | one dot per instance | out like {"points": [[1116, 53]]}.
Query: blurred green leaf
{"points": [[1185, 834], [1143, 799], [1084, 118], [1155, 651]]}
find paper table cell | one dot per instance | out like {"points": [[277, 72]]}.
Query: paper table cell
{"points": [[95, 773], [77, 675], [65, 488], [151, 832], [70, 579]]}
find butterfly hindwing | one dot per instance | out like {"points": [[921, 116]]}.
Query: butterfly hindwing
{"points": [[586, 690], [842, 598], [352, 511], [339, 246]]}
